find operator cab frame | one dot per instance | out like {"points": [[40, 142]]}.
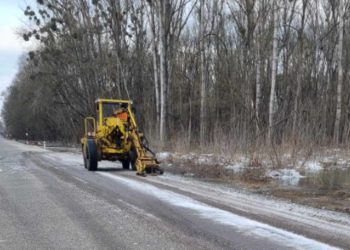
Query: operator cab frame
{"points": [[106, 108]]}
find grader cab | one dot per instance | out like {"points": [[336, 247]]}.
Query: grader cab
{"points": [[113, 135]]}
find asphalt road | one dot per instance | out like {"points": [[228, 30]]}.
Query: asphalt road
{"points": [[49, 202]]}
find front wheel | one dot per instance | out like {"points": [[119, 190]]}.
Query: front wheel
{"points": [[90, 155]]}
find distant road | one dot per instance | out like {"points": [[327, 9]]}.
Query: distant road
{"points": [[49, 201]]}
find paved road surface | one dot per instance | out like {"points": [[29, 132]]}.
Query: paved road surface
{"points": [[49, 201]]}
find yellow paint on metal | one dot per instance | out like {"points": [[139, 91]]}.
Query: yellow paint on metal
{"points": [[130, 138]]}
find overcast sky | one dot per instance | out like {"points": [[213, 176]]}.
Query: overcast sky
{"points": [[11, 45]]}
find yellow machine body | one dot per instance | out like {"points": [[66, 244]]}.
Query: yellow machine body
{"points": [[113, 135]]}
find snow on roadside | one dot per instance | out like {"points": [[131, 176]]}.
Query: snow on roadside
{"points": [[206, 159], [237, 164], [25, 147], [162, 156], [196, 158], [241, 224], [236, 168], [313, 166], [243, 197], [286, 176]]}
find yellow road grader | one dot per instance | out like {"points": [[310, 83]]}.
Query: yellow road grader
{"points": [[114, 136]]}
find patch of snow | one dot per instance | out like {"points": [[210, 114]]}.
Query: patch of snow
{"points": [[241, 224], [341, 162], [290, 173], [205, 159], [189, 174], [244, 159], [239, 165], [202, 158], [236, 168], [163, 155], [328, 160], [246, 201], [273, 174], [286, 176], [189, 156], [287, 156], [313, 166]]}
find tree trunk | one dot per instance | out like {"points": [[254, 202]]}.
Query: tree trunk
{"points": [[163, 77], [203, 78], [272, 102], [258, 89], [340, 75], [155, 70], [189, 131], [299, 74]]}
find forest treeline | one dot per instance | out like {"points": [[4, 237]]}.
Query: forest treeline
{"points": [[201, 72]]}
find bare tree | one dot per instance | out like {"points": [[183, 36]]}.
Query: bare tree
{"points": [[155, 56], [299, 69], [274, 59], [163, 67], [340, 73], [203, 84], [263, 66]]}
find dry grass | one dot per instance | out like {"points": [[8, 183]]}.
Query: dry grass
{"points": [[257, 161]]}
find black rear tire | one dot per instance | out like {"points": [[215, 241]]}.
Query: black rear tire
{"points": [[132, 157], [91, 155], [126, 164]]}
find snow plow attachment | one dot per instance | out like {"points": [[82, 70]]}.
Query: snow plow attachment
{"points": [[146, 163]]}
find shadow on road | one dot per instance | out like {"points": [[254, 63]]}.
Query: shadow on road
{"points": [[111, 170]]}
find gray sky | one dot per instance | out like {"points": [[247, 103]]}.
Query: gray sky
{"points": [[11, 45]]}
